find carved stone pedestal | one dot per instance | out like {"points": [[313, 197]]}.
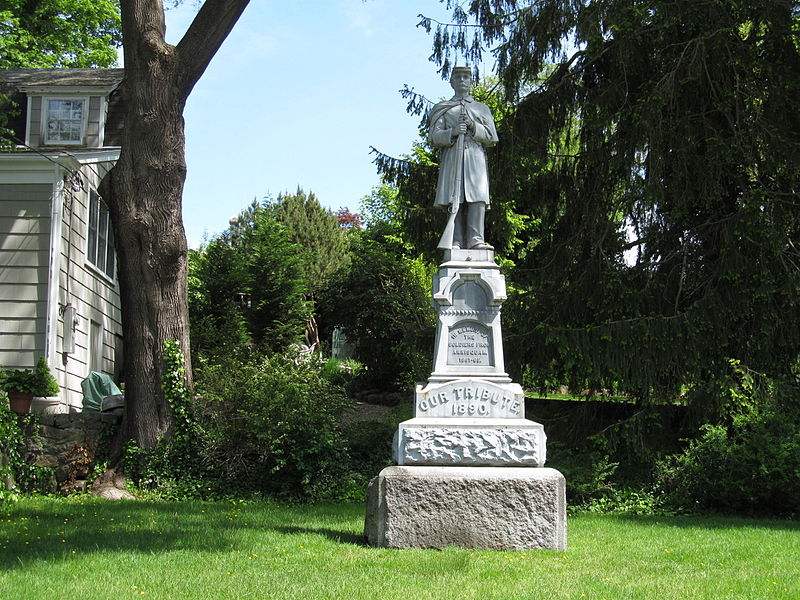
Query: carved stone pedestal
{"points": [[468, 291], [470, 422], [470, 466]]}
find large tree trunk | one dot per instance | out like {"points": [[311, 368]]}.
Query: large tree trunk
{"points": [[144, 192]]}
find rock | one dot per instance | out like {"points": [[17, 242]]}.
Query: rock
{"points": [[502, 508], [112, 493], [111, 486]]}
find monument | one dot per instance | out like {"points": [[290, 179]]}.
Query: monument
{"points": [[470, 467]]}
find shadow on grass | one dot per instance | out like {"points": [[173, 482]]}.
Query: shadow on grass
{"points": [[341, 537], [48, 529]]}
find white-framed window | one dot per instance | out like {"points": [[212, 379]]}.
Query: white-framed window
{"points": [[100, 249], [96, 346], [64, 120]]}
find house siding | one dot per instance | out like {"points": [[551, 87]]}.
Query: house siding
{"points": [[94, 296], [24, 262], [35, 121]]}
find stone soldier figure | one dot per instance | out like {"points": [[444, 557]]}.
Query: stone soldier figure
{"points": [[463, 128]]}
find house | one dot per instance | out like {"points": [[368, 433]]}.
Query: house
{"points": [[59, 294]]}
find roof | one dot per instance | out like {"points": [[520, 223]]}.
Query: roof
{"points": [[25, 78]]}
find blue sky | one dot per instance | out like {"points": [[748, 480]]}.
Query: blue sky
{"points": [[296, 96]]}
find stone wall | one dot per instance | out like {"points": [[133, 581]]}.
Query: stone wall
{"points": [[68, 443]]}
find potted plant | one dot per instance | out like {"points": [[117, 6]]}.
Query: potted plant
{"points": [[22, 385]]}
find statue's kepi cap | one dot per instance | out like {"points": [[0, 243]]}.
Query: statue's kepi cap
{"points": [[467, 70]]}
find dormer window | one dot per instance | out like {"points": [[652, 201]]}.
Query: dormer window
{"points": [[64, 120]]}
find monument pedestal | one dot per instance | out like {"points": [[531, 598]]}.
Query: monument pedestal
{"points": [[499, 508], [470, 466]]}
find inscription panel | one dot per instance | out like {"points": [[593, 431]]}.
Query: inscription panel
{"points": [[470, 345], [470, 398]]}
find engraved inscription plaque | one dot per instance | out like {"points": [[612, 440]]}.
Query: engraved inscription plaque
{"points": [[469, 344], [470, 398]]}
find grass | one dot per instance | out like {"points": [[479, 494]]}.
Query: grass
{"points": [[92, 549]]}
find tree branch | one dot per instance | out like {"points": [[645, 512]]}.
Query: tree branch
{"points": [[143, 30], [205, 35]]}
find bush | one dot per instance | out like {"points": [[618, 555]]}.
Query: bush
{"points": [[753, 468], [750, 464], [17, 475], [270, 426], [383, 301]]}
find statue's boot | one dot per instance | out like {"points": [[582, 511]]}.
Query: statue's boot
{"points": [[460, 239], [474, 226]]}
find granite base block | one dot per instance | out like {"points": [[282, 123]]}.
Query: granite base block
{"points": [[500, 508]]}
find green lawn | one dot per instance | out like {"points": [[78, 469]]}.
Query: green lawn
{"points": [[90, 549]]}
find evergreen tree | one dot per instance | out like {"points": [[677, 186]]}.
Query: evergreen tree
{"points": [[321, 242], [317, 233], [655, 148], [247, 288]]}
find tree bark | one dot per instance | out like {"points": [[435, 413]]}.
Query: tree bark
{"points": [[144, 193]]}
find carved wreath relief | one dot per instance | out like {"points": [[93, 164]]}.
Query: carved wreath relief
{"points": [[471, 446]]}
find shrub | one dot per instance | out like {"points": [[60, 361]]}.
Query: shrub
{"points": [[271, 426], [17, 475], [753, 468], [751, 464], [265, 427], [383, 301]]}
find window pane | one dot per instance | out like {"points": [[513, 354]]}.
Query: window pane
{"points": [[91, 252], [100, 248], [64, 120], [111, 258]]}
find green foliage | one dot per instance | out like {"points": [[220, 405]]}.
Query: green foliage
{"points": [[749, 464], [626, 501], [341, 372], [59, 33], [317, 233], [247, 287], [17, 475], [172, 464], [39, 381], [383, 301], [269, 426]]}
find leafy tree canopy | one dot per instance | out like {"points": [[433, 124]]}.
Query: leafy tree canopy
{"points": [[59, 33]]}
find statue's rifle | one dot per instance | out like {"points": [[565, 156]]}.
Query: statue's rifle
{"points": [[456, 190]]}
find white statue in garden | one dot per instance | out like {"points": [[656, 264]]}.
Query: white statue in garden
{"points": [[462, 128]]}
